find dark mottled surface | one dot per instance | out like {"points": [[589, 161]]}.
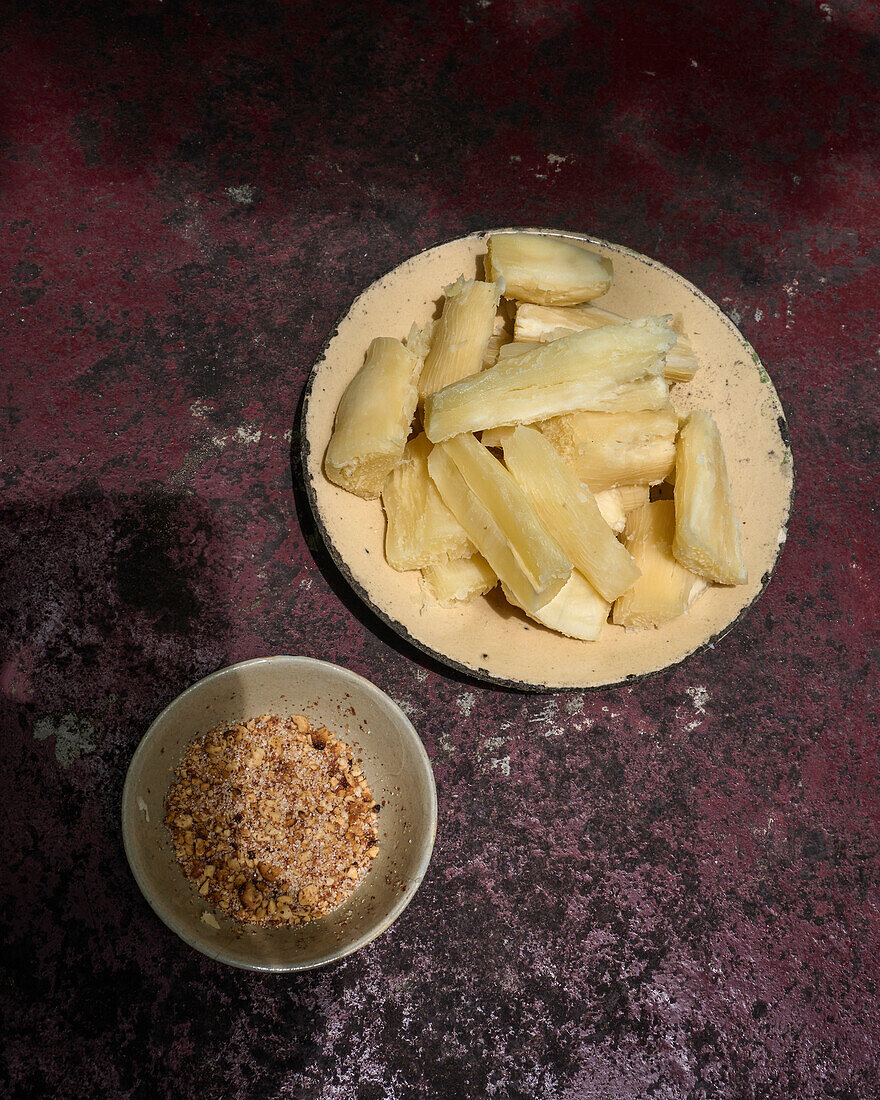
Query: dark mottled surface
{"points": [[668, 890]]}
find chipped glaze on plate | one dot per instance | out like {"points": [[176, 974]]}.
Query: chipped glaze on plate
{"points": [[488, 639]]}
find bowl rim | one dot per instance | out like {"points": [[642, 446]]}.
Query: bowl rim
{"points": [[478, 676], [181, 928]]}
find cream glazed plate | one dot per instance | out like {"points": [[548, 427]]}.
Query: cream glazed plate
{"points": [[487, 638]]}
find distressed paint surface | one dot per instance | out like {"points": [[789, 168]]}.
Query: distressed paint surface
{"points": [[665, 890]]}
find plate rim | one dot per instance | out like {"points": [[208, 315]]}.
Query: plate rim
{"points": [[483, 676]]}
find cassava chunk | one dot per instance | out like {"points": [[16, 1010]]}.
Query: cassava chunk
{"points": [[707, 535], [373, 419], [543, 323], [460, 337], [632, 448], [460, 580], [420, 529], [665, 589], [603, 370], [578, 611], [543, 269], [488, 503], [569, 512]]}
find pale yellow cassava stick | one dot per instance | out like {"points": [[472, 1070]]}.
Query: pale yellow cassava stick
{"points": [[665, 589], [612, 449], [459, 340], [604, 370], [460, 580], [569, 512], [542, 323], [543, 269], [373, 419], [420, 528], [707, 535], [502, 524], [578, 611]]}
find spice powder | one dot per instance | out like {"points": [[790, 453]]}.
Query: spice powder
{"points": [[272, 820]]}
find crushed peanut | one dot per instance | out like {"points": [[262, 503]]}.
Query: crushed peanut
{"points": [[272, 820]]}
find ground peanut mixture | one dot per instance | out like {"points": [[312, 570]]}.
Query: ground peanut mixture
{"points": [[272, 820]]}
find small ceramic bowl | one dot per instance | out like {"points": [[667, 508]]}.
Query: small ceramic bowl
{"points": [[395, 765]]}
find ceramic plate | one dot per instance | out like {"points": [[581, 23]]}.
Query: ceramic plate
{"points": [[486, 638]]}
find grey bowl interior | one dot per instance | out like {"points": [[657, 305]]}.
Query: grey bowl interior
{"points": [[394, 762]]}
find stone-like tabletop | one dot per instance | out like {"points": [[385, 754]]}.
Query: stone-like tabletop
{"points": [[668, 889]]}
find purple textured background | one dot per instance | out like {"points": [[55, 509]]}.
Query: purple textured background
{"points": [[667, 890]]}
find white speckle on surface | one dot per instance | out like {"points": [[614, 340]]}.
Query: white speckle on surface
{"points": [[540, 175], [546, 713], [700, 698], [694, 64], [408, 707], [826, 11], [192, 225], [732, 311], [516, 159], [759, 314], [74, 737], [501, 764], [210, 919], [142, 806], [485, 750], [243, 194], [305, 582], [764, 830], [555, 159], [219, 441], [248, 434], [465, 702], [791, 290], [200, 409]]}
